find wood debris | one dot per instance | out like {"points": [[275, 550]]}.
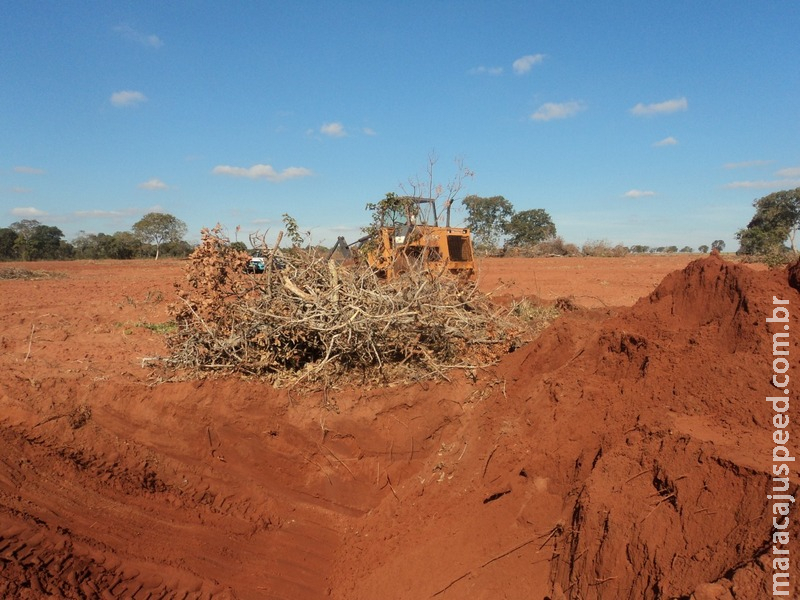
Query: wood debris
{"points": [[310, 320]]}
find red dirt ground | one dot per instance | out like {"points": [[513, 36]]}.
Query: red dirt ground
{"points": [[624, 454]]}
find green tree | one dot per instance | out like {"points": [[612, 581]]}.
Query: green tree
{"points": [[776, 219], [529, 227], [487, 218], [718, 245], [159, 228], [391, 211], [90, 245], [703, 248], [124, 245], [687, 249], [23, 243], [47, 242], [66, 251], [177, 249], [640, 249], [121, 245], [293, 232], [36, 241], [7, 239], [83, 243]]}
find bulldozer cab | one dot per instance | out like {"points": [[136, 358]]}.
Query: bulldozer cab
{"points": [[402, 221]]}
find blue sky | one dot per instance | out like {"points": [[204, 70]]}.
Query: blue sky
{"points": [[651, 123]]}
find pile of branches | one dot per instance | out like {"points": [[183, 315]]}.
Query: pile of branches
{"points": [[309, 320], [17, 273]]}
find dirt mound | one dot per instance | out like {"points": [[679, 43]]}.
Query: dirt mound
{"points": [[675, 496], [624, 454], [794, 274]]}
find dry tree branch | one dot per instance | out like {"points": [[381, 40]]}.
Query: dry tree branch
{"points": [[30, 343]]}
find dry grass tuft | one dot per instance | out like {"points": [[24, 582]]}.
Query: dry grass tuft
{"points": [[603, 248], [537, 314]]}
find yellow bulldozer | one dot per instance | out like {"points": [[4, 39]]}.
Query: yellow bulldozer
{"points": [[408, 234]]}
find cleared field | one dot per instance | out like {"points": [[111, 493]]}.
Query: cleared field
{"points": [[625, 453]]}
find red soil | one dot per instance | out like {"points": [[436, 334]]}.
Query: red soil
{"points": [[624, 454]]}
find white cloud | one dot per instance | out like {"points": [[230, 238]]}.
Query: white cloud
{"points": [[667, 141], [790, 172], [262, 172], [27, 212], [660, 108], [525, 63], [28, 170], [638, 194], [746, 164], [148, 40], [764, 184], [333, 130], [552, 110], [127, 98], [21, 190], [369, 131], [486, 71], [153, 184], [786, 178]]}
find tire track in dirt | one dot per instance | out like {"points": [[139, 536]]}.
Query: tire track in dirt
{"points": [[241, 514], [36, 562]]}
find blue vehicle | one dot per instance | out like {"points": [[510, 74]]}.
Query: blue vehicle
{"points": [[257, 264]]}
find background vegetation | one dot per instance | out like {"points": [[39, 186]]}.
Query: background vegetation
{"points": [[497, 229], [774, 223], [154, 235]]}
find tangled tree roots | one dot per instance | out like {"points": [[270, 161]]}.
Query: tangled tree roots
{"points": [[310, 320]]}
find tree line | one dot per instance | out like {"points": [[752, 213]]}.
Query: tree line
{"points": [[496, 227], [492, 220], [154, 235]]}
